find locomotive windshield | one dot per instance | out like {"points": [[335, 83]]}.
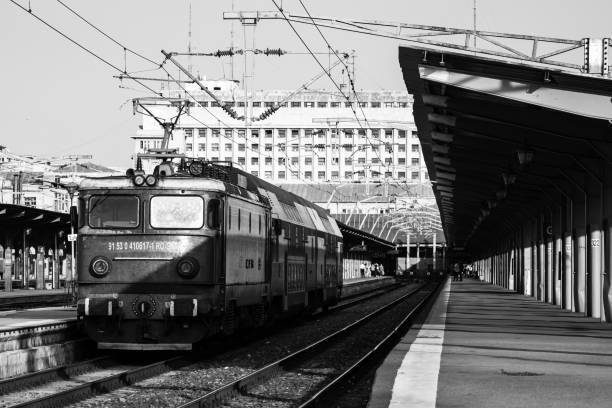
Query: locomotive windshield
{"points": [[108, 211], [175, 212]]}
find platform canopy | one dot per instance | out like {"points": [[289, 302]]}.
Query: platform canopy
{"points": [[12, 215], [505, 142]]}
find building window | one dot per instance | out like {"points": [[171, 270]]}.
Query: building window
{"points": [[348, 161], [254, 133], [294, 175], [363, 104], [348, 175], [214, 147], [348, 148], [415, 135], [268, 174], [228, 159], [201, 147], [281, 175], [294, 161], [308, 147], [255, 173], [296, 104], [388, 160], [415, 161], [401, 174], [307, 132], [241, 133], [376, 133], [295, 147], [241, 161], [335, 175], [281, 147], [361, 133], [361, 160], [241, 147], [321, 104], [268, 161], [375, 105], [347, 132], [335, 160], [255, 147], [214, 104], [241, 104], [401, 148], [309, 104], [401, 161], [254, 160], [308, 161], [375, 174], [282, 133], [203, 104], [216, 132], [321, 175], [415, 148], [188, 132], [281, 161], [229, 133], [348, 104], [334, 133], [388, 104], [256, 104], [202, 132], [321, 161], [295, 133], [214, 159], [415, 175], [402, 104], [401, 134], [388, 174], [268, 104], [29, 201], [308, 175], [188, 147], [268, 133], [388, 133], [334, 104], [228, 147], [268, 147]]}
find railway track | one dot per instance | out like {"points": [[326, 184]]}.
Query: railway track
{"points": [[79, 381], [294, 377]]}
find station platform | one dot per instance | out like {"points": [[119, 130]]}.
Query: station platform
{"points": [[485, 346], [27, 298]]}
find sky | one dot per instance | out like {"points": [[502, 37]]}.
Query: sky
{"points": [[59, 100]]}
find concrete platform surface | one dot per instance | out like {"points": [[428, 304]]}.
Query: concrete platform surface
{"points": [[18, 319], [32, 292], [484, 346]]}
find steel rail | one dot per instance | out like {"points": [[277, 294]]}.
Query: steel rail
{"points": [[326, 394], [241, 385], [103, 385], [50, 374]]}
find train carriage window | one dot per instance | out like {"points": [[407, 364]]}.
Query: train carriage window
{"points": [[259, 224], [239, 218], [230, 218], [249, 222], [213, 214], [174, 212], [109, 211]]}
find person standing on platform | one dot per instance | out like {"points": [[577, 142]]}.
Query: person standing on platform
{"points": [[456, 271], [362, 269], [381, 270]]}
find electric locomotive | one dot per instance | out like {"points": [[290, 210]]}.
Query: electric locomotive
{"points": [[170, 258]]}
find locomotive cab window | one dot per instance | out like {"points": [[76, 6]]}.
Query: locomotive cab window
{"points": [[177, 212], [213, 214], [109, 211]]}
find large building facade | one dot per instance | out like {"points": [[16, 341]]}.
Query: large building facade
{"points": [[315, 136]]}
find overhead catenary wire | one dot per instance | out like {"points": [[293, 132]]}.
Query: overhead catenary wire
{"points": [[81, 46]]}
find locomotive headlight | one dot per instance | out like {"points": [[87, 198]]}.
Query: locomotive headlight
{"points": [[139, 180], [151, 180], [99, 267], [187, 267]]}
